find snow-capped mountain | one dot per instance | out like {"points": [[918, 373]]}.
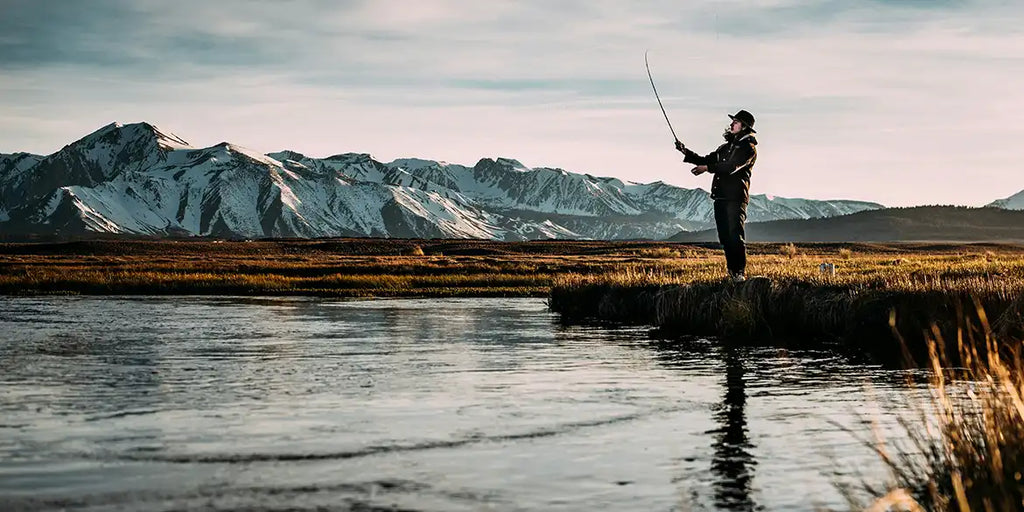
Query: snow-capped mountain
{"points": [[1014, 202], [137, 179]]}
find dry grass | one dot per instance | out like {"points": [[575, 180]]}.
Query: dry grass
{"points": [[659, 252], [966, 450], [414, 251], [356, 267]]}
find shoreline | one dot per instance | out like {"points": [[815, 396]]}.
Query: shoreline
{"points": [[677, 288], [886, 323]]}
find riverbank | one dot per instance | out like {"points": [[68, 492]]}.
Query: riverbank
{"points": [[872, 300]]}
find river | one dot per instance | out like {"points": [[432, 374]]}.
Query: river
{"points": [[225, 403]]}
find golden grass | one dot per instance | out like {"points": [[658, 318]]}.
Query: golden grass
{"points": [[789, 251], [966, 450], [659, 252], [414, 251], [334, 268], [792, 299]]}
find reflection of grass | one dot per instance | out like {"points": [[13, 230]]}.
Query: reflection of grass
{"points": [[967, 451]]}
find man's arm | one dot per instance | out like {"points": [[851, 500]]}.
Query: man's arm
{"points": [[693, 158], [742, 158]]}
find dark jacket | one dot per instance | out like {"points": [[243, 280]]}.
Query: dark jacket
{"points": [[731, 164]]}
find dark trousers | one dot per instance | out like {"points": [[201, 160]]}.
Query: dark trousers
{"points": [[729, 218]]}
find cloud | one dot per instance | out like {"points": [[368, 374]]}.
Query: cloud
{"points": [[843, 91]]}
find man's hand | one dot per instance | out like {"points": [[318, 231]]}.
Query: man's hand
{"points": [[700, 169], [680, 147]]}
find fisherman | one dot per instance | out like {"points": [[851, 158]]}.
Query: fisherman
{"points": [[731, 164]]}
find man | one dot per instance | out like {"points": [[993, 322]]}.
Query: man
{"points": [[731, 164]]}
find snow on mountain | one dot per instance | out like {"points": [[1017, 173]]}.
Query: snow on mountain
{"points": [[763, 208], [506, 184], [11, 168], [17, 163], [351, 166], [95, 158], [137, 179], [230, 191], [1014, 202]]}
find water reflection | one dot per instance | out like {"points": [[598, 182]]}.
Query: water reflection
{"points": [[732, 459], [732, 462], [411, 404]]}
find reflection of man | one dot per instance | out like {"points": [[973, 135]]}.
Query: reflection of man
{"points": [[732, 461], [731, 164]]}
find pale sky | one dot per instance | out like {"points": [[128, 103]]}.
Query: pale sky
{"points": [[900, 102]]}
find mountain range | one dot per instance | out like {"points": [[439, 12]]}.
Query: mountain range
{"points": [[136, 179]]}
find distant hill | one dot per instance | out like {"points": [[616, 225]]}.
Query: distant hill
{"points": [[921, 223]]}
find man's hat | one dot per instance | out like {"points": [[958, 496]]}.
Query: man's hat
{"points": [[744, 117]]}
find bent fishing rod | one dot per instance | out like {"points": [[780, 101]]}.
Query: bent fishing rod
{"points": [[648, 64]]}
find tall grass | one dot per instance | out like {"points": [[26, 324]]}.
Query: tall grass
{"points": [[791, 300], [789, 251], [967, 448], [659, 252]]}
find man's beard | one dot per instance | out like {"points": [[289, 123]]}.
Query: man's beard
{"points": [[728, 135]]}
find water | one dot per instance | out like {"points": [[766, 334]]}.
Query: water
{"points": [[471, 404]]}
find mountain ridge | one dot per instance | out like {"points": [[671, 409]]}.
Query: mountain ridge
{"points": [[136, 179]]}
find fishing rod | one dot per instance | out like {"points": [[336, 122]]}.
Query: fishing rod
{"points": [[648, 64]]}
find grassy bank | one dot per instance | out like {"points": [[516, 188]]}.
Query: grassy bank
{"points": [[871, 295]]}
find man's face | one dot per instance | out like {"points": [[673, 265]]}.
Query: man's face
{"points": [[735, 127]]}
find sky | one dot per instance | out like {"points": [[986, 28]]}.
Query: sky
{"points": [[902, 102]]}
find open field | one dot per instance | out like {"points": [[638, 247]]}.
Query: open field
{"points": [[340, 268], [370, 267], [376, 267]]}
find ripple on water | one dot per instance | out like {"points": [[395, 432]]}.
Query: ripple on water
{"points": [[453, 404]]}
